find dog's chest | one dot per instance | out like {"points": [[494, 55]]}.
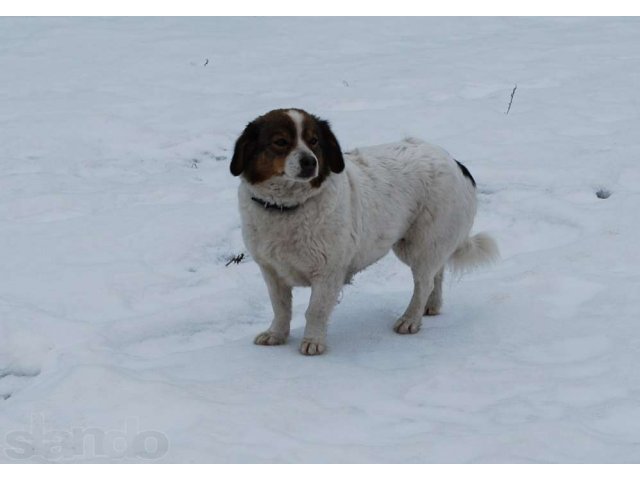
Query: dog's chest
{"points": [[294, 246]]}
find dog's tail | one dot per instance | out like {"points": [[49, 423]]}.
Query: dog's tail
{"points": [[474, 252]]}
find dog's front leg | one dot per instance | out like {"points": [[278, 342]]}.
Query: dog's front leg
{"points": [[324, 296], [280, 295]]}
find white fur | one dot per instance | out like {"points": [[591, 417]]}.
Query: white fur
{"points": [[409, 196], [478, 250], [292, 162]]}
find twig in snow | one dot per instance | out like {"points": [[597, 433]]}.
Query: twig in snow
{"points": [[235, 259], [511, 101]]}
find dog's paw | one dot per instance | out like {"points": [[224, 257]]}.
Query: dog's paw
{"points": [[404, 326], [270, 338], [310, 346], [432, 310]]}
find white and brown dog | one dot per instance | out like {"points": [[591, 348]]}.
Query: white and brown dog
{"points": [[314, 217]]}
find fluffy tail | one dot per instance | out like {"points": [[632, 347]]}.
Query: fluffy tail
{"points": [[478, 250]]}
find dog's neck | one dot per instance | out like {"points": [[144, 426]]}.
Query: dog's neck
{"points": [[282, 195], [274, 206]]}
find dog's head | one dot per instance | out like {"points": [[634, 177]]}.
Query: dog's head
{"points": [[290, 144]]}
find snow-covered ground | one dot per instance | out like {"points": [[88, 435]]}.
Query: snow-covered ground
{"points": [[124, 337]]}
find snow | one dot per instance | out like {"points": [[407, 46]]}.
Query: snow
{"points": [[118, 216]]}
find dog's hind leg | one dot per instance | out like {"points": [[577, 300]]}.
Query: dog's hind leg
{"points": [[411, 319], [434, 304], [426, 257]]}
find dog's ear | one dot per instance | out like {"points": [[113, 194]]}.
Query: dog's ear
{"points": [[330, 147], [244, 149]]}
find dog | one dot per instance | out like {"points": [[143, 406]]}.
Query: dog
{"points": [[314, 217]]}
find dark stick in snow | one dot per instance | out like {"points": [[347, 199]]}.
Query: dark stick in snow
{"points": [[235, 259], [511, 101]]}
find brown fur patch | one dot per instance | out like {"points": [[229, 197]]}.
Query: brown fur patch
{"points": [[316, 133], [265, 165], [270, 138], [311, 137]]}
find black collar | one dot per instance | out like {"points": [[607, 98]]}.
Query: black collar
{"points": [[274, 206]]}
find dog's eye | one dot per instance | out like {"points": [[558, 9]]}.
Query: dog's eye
{"points": [[281, 142], [313, 141]]}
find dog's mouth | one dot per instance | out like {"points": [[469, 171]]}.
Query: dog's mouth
{"points": [[308, 173]]}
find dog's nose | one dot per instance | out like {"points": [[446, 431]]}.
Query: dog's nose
{"points": [[307, 162], [307, 166]]}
